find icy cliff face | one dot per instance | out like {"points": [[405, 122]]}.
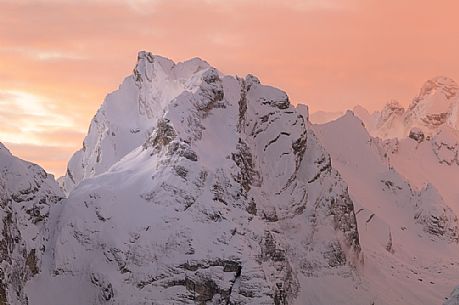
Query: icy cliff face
{"points": [[27, 193]]}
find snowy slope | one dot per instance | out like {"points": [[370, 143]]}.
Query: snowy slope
{"points": [[409, 233], [432, 160], [423, 145], [230, 200], [27, 193]]}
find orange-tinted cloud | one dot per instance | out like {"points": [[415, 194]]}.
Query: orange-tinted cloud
{"points": [[331, 54]]}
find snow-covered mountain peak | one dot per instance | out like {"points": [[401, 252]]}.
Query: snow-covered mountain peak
{"points": [[151, 66], [440, 84], [128, 115], [243, 203], [436, 105]]}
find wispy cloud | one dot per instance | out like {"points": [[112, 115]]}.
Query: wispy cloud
{"points": [[44, 55], [26, 118], [33, 130]]}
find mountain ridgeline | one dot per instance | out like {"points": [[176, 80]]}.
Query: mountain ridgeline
{"points": [[194, 187]]}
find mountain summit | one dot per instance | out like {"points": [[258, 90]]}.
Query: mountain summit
{"points": [[437, 104], [198, 188], [128, 116]]}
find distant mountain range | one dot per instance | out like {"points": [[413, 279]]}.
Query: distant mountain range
{"points": [[195, 187], [435, 107]]}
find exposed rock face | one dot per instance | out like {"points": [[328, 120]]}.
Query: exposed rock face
{"points": [[417, 135], [445, 145], [27, 193], [436, 217], [230, 200], [436, 105]]}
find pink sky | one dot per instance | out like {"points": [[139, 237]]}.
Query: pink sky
{"points": [[59, 58]]}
